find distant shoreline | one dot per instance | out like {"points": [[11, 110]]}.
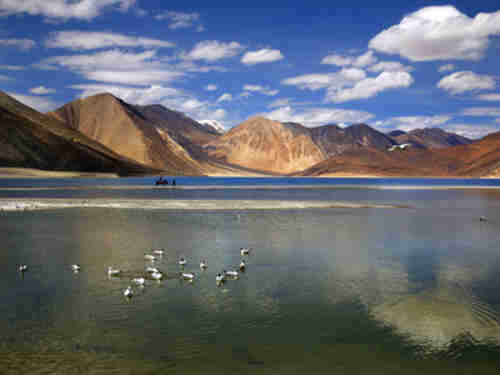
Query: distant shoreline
{"points": [[7, 172]]}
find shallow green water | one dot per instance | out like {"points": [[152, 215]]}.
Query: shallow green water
{"points": [[327, 291]]}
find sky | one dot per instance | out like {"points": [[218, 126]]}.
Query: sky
{"points": [[389, 64]]}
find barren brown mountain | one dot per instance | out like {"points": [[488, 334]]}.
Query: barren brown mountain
{"points": [[30, 139], [267, 145], [128, 131], [429, 138]]}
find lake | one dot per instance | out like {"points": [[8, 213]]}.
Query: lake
{"points": [[407, 290]]}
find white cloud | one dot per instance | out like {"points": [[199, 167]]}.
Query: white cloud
{"points": [[408, 123], [212, 50], [135, 95], [82, 40], [345, 77], [460, 82], [279, 103], [446, 68], [179, 20], [62, 9], [365, 59], [473, 131], [489, 97], [338, 60], [225, 98], [265, 90], [42, 90], [390, 66], [41, 104], [261, 56], [370, 87], [439, 33], [115, 66], [22, 44], [318, 116], [481, 111], [211, 87]]}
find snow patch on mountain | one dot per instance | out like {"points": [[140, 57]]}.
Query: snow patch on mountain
{"points": [[213, 125]]}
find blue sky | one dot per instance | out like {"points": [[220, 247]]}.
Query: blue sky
{"points": [[390, 64]]}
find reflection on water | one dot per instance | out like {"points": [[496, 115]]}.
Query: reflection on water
{"points": [[341, 290]]}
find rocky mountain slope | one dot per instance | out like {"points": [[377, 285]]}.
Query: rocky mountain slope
{"points": [[136, 132], [267, 145], [429, 138], [30, 139]]}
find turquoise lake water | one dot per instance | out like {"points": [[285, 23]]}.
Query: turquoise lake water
{"points": [[366, 290]]}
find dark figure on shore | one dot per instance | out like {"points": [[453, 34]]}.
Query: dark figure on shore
{"points": [[161, 181], [173, 182]]}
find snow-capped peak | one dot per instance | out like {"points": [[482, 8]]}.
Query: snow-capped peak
{"points": [[213, 125]]}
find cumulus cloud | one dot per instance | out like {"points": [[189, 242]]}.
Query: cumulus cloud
{"points": [[365, 59], [408, 123], [345, 77], [279, 103], [261, 56], [226, 97], [370, 87], [265, 90], [211, 87], [390, 66], [489, 97], [318, 116], [338, 60], [212, 50], [472, 131], [116, 66], [86, 40], [62, 9], [460, 82], [481, 111], [179, 20], [41, 104], [42, 90], [22, 44], [439, 33], [446, 68]]}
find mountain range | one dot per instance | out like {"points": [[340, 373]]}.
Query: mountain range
{"points": [[104, 133]]}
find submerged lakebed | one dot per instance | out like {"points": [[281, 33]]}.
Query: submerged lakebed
{"points": [[402, 280]]}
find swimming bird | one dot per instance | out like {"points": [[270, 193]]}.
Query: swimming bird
{"points": [[159, 252], [245, 251], [150, 257], [242, 265], [483, 218], [157, 275], [188, 276], [23, 268], [231, 273], [220, 278], [113, 271], [203, 264], [152, 270], [182, 262], [139, 281], [75, 267], [128, 292]]}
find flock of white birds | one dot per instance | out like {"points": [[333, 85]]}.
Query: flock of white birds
{"points": [[155, 274]]}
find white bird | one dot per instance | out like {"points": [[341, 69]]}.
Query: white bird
{"points": [[152, 270], [182, 262], [188, 275], [203, 264], [157, 275], [159, 252], [231, 273], [128, 292], [245, 250], [75, 267], [220, 278], [23, 268], [139, 281], [150, 257], [113, 271], [242, 265]]}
